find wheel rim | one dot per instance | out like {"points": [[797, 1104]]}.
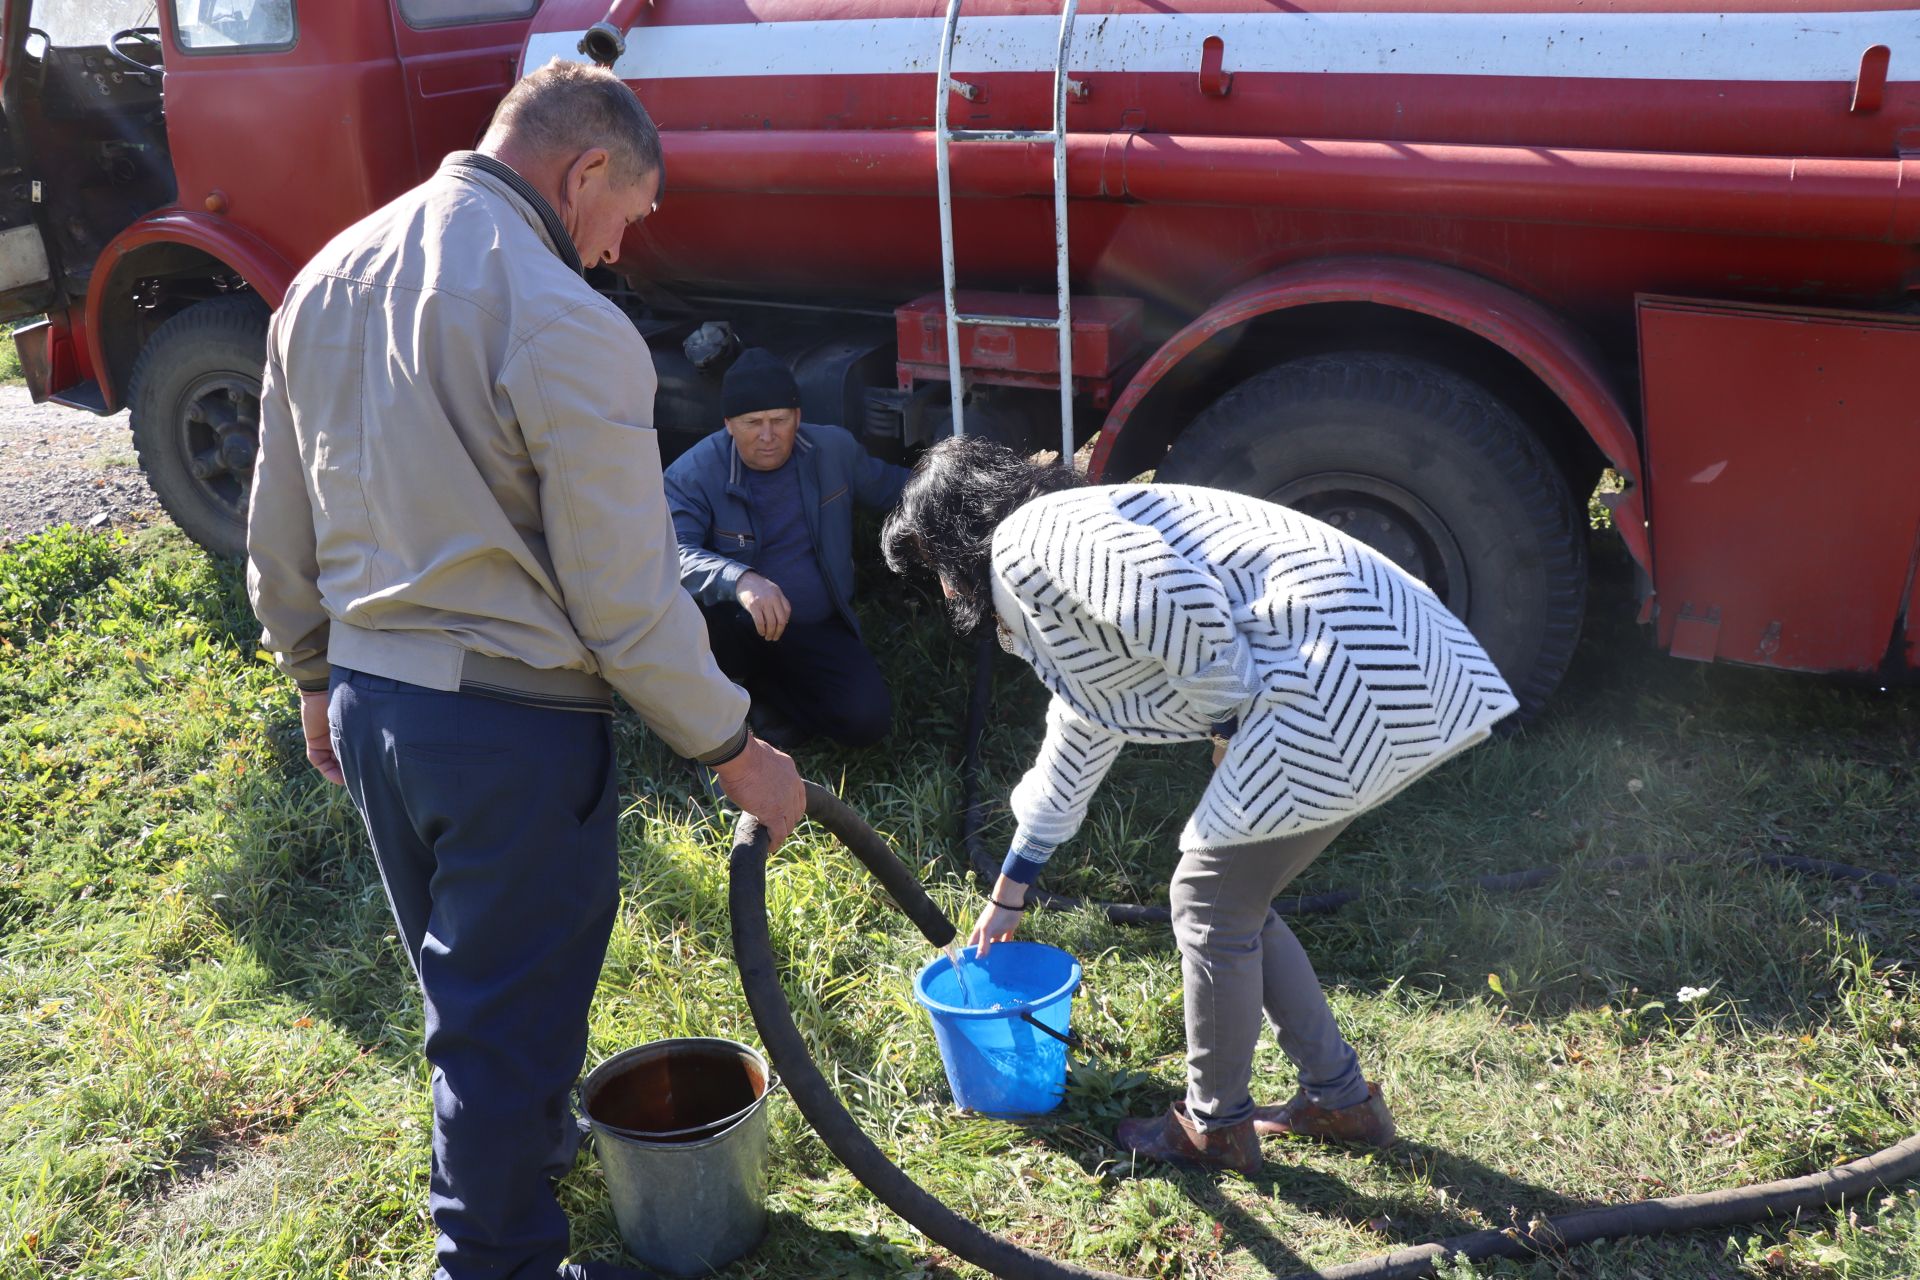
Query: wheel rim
{"points": [[1392, 521], [219, 434]]}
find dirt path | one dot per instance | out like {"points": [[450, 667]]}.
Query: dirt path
{"points": [[65, 466]]}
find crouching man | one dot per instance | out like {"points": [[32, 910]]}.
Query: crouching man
{"points": [[764, 514]]}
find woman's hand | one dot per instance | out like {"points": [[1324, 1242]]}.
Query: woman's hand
{"points": [[999, 923]]}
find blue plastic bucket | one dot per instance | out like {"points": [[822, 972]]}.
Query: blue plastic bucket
{"points": [[998, 1061]]}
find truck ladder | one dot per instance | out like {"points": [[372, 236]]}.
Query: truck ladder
{"points": [[945, 136]]}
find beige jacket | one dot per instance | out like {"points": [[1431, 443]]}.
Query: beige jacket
{"points": [[458, 482]]}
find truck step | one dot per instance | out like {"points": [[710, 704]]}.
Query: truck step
{"points": [[1008, 339]]}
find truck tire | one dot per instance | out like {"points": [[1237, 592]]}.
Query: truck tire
{"points": [[195, 397], [1427, 468]]}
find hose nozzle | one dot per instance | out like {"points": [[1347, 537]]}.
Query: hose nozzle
{"points": [[606, 39], [604, 43]]}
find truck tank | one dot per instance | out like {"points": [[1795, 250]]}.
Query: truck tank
{"points": [[1584, 153], [1419, 268]]}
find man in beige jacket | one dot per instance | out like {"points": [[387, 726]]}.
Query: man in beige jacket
{"points": [[459, 548]]}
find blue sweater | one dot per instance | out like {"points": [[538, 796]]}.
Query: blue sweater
{"points": [[721, 536]]}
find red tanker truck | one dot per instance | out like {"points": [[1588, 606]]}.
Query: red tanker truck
{"points": [[1423, 268]]}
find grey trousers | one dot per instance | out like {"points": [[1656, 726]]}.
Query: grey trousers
{"points": [[1240, 959]]}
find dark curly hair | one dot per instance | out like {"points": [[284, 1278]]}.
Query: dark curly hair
{"points": [[960, 491]]}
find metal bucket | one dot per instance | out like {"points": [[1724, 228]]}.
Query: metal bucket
{"points": [[681, 1130]]}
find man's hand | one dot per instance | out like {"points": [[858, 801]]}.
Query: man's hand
{"points": [[313, 723], [764, 783], [767, 604], [996, 923]]}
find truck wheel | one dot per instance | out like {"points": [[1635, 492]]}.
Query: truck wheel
{"points": [[195, 397], [1430, 470]]}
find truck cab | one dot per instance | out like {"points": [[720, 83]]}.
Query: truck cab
{"points": [[168, 165]]}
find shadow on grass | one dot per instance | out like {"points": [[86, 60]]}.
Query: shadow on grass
{"points": [[302, 892], [791, 1247], [1477, 1196], [795, 1247]]}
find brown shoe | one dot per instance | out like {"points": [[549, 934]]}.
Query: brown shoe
{"points": [[1364, 1124], [1174, 1139]]}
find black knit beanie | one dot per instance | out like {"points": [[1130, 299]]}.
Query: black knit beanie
{"points": [[756, 381]]}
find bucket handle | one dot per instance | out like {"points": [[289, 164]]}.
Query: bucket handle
{"points": [[1071, 1038], [711, 1126]]}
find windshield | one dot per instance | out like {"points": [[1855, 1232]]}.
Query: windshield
{"points": [[89, 22]]}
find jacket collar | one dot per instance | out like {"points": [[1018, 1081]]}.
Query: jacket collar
{"points": [[737, 470], [519, 186]]}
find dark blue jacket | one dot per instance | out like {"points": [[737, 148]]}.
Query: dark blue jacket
{"points": [[719, 534]]}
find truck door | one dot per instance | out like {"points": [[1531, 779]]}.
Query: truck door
{"points": [[460, 58], [26, 274], [85, 141]]}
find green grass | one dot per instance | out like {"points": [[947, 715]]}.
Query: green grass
{"points": [[9, 354], [208, 1037]]}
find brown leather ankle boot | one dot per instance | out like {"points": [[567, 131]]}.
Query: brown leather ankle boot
{"points": [[1364, 1124], [1174, 1139]]}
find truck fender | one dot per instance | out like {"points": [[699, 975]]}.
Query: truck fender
{"points": [[114, 331], [1556, 353]]}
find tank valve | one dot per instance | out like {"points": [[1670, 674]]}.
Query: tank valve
{"points": [[712, 348]]}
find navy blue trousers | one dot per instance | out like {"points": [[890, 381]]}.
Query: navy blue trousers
{"points": [[493, 824], [817, 674]]}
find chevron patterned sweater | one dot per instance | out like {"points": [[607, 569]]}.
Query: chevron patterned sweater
{"points": [[1153, 611]]}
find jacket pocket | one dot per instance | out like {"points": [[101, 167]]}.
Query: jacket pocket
{"points": [[728, 540], [835, 496]]}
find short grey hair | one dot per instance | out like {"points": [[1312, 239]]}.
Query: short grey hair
{"points": [[566, 108]]}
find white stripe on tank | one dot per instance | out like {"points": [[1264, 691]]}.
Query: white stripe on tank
{"points": [[1806, 46]]}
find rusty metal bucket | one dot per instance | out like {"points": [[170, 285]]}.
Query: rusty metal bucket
{"points": [[680, 1127]]}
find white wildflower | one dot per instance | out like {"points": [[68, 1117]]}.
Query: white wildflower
{"points": [[1687, 995]]}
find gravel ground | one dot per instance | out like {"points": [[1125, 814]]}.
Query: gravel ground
{"points": [[66, 466]]}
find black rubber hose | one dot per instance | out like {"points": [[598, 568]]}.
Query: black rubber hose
{"points": [[987, 868], [759, 975], [895, 876], [1730, 1208], [753, 952], [1836, 871]]}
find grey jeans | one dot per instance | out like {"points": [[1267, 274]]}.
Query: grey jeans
{"points": [[1239, 958]]}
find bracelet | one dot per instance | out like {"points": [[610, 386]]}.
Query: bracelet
{"points": [[1005, 906], [1221, 732]]}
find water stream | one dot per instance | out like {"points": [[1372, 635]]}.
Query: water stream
{"points": [[953, 958]]}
